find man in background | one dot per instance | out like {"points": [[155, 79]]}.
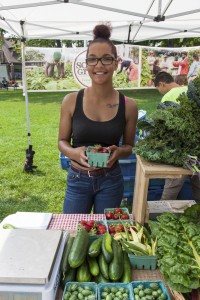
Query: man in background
{"points": [[183, 66], [166, 85], [50, 66], [125, 64]]}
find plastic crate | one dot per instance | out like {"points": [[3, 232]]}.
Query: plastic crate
{"points": [[64, 161], [97, 159], [93, 237], [126, 286], [146, 284], [92, 285], [129, 182], [143, 262], [128, 166], [154, 194]]}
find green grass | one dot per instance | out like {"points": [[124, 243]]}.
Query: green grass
{"points": [[44, 189]]}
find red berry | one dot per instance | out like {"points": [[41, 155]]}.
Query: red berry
{"points": [[109, 215]]}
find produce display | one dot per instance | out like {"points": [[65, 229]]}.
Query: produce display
{"points": [[173, 134], [107, 261], [179, 248]]}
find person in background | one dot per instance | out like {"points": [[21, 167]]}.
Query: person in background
{"points": [[133, 72], [166, 85], [156, 68], [5, 83], [194, 68], [56, 60], [125, 64], [164, 66], [184, 66], [101, 115]]}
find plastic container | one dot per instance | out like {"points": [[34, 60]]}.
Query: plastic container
{"points": [[143, 262], [146, 284], [97, 159], [93, 237], [126, 286], [128, 166], [91, 285], [129, 182], [64, 161], [154, 194]]}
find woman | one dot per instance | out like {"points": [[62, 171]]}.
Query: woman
{"points": [[96, 115], [194, 68]]}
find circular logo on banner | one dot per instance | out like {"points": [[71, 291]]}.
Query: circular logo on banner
{"points": [[80, 71]]}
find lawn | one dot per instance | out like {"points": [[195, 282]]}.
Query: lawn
{"points": [[44, 189]]}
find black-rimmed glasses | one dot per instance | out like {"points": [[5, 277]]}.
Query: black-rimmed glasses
{"points": [[105, 60]]}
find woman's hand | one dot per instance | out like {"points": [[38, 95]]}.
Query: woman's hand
{"points": [[114, 156], [79, 155]]}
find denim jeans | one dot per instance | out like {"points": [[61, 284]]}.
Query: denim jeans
{"points": [[84, 192]]}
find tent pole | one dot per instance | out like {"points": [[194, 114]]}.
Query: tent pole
{"points": [[25, 94]]}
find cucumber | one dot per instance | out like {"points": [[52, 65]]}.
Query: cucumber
{"points": [[79, 249], [127, 274], [70, 276], [83, 273], [95, 248], [93, 265], [103, 266], [64, 265], [107, 247], [116, 267], [99, 278]]}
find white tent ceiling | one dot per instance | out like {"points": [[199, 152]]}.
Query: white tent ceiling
{"points": [[133, 20]]}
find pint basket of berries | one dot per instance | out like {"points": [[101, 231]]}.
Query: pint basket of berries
{"points": [[95, 229], [97, 155], [117, 213]]}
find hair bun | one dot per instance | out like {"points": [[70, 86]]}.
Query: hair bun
{"points": [[102, 31]]}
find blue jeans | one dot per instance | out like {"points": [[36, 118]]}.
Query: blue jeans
{"points": [[100, 192]]}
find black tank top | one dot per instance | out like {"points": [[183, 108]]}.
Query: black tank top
{"points": [[86, 132]]}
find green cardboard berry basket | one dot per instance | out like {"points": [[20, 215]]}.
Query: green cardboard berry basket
{"points": [[143, 262], [146, 285], [124, 209], [126, 286], [97, 159], [92, 286], [93, 237]]}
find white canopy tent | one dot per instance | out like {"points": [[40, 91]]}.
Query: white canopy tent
{"points": [[132, 21]]}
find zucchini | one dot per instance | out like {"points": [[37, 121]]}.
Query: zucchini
{"points": [[83, 273], [99, 278], [93, 265], [79, 249], [95, 248], [116, 267], [127, 274], [70, 276], [103, 266], [64, 265], [107, 247]]}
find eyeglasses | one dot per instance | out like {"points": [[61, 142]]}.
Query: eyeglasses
{"points": [[106, 60]]}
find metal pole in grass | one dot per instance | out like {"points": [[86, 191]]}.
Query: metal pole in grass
{"points": [[28, 166]]}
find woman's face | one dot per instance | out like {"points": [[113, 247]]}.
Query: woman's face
{"points": [[101, 73]]}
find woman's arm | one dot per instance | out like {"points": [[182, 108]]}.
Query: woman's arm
{"points": [[65, 131]]}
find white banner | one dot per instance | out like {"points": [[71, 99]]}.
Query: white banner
{"points": [[65, 68]]}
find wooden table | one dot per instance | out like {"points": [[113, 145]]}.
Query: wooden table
{"points": [[144, 171]]}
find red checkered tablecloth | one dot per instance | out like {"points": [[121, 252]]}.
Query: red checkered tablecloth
{"points": [[69, 221]]}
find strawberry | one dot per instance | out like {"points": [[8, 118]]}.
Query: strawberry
{"points": [[111, 229], [118, 210], [86, 227], [124, 216], [101, 230], [115, 217], [109, 215], [90, 223], [82, 222], [119, 228], [105, 150]]}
